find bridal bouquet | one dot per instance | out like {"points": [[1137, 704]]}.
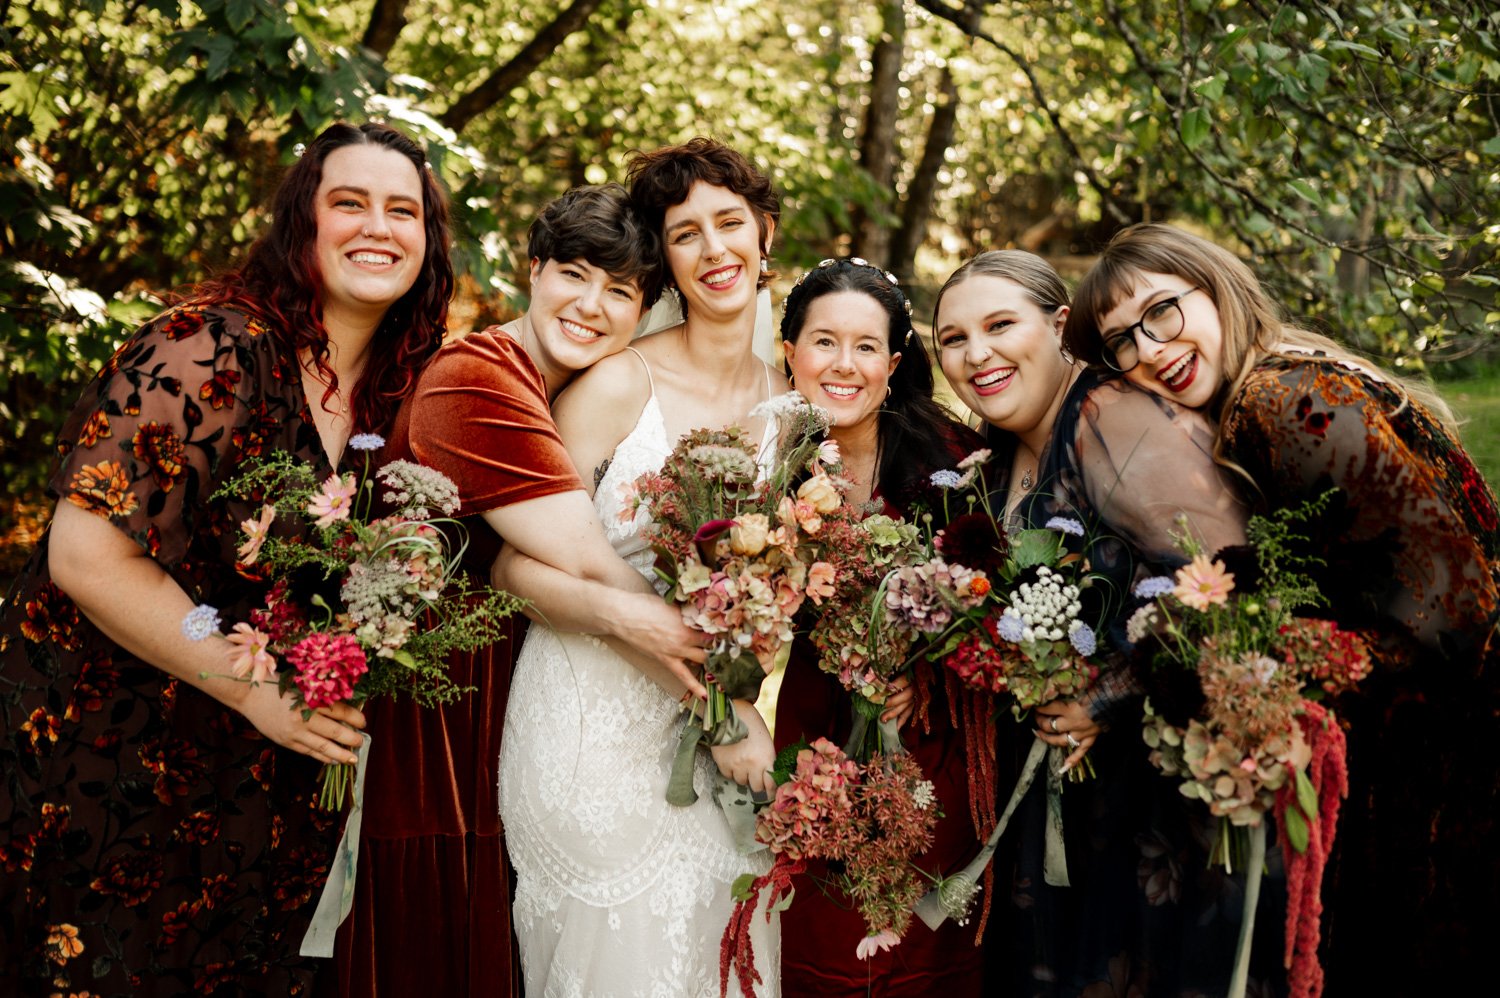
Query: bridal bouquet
{"points": [[737, 546], [867, 820], [1250, 739], [359, 606]]}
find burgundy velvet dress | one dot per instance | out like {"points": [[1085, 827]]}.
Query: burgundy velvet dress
{"points": [[432, 901], [821, 929]]}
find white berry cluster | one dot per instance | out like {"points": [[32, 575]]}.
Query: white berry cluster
{"points": [[1048, 607]]}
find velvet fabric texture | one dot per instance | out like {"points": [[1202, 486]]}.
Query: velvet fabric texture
{"points": [[1409, 555], [152, 841], [822, 927], [432, 901]]}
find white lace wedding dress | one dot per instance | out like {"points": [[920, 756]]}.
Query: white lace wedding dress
{"points": [[619, 893]]}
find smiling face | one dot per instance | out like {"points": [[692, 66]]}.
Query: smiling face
{"points": [[1188, 370], [714, 251], [579, 315], [841, 359], [371, 233], [999, 351]]}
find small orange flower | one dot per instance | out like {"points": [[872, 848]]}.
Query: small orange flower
{"points": [[979, 586], [42, 726], [218, 391], [1202, 583], [158, 447], [103, 489], [63, 943], [95, 428]]}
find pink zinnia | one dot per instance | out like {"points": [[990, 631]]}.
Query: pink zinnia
{"points": [[256, 532], [1201, 583], [254, 658], [327, 667], [335, 501]]}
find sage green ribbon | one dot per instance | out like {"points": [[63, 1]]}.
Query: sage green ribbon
{"points": [[952, 896], [338, 891], [737, 802], [1257, 864]]}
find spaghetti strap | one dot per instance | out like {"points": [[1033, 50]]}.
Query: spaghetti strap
{"points": [[652, 381]]}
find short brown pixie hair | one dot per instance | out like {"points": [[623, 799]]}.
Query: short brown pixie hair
{"points": [[597, 224]]}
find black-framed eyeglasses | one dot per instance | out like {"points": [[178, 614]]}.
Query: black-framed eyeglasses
{"points": [[1161, 322]]}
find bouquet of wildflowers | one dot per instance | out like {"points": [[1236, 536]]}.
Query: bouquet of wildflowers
{"points": [[737, 546], [360, 606], [1259, 741], [866, 820]]}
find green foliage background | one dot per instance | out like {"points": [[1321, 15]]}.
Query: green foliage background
{"points": [[1350, 150]]}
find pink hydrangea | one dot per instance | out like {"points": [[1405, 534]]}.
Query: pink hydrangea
{"points": [[328, 665]]}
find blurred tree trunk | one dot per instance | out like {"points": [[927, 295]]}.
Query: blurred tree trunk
{"points": [[386, 22], [877, 146], [918, 205]]}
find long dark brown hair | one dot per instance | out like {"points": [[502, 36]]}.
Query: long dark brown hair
{"points": [[280, 284]]}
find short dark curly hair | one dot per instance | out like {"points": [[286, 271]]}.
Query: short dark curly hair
{"points": [[662, 178], [597, 224]]}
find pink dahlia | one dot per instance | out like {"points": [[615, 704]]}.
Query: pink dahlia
{"points": [[327, 667]]}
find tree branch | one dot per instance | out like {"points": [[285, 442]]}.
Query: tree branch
{"points": [[386, 22], [507, 77]]}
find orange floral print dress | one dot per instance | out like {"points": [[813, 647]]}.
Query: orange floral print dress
{"points": [[151, 841], [1411, 557]]}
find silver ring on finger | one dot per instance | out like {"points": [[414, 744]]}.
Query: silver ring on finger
{"points": [[1054, 724], [1072, 742]]}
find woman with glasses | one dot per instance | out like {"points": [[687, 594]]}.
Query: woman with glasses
{"points": [[1408, 550], [1125, 465]]}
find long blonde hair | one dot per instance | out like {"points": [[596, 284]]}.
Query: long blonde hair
{"points": [[1252, 324]]}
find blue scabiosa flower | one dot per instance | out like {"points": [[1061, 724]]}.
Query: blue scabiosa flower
{"points": [[367, 441], [1066, 525], [1157, 585], [1082, 637], [946, 479], [1010, 627], [201, 621]]}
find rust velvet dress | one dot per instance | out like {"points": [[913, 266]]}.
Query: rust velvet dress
{"points": [[432, 903], [1412, 559], [152, 842], [821, 929]]}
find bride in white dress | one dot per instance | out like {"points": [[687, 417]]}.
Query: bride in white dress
{"points": [[618, 892]]}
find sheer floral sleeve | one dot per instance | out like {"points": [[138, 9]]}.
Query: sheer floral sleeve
{"points": [[1145, 469], [167, 417], [1147, 465], [1409, 540]]}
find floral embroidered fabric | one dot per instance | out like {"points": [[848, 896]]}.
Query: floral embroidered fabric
{"points": [[1410, 556], [151, 841]]}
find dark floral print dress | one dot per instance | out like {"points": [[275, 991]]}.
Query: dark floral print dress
{"points": [[152, 842], [1144, 915], [1412, 559]]}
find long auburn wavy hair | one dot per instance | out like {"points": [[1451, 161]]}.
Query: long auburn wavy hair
{"points": [[279, 282]]}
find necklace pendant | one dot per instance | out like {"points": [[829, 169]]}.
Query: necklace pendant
{"points": [[1026, 482]]}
